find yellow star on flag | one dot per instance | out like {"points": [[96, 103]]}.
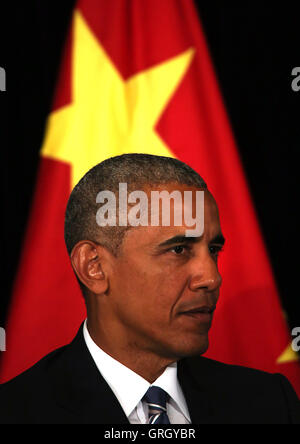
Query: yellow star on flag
{"points": [[289, 355], [107, 115]]}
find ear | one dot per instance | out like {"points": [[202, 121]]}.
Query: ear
{"points": [[87, 260]]}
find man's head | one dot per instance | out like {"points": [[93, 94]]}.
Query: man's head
{"points": [[148, 286]]}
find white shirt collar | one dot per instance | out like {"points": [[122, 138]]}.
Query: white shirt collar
{"points": [[129, 387]]}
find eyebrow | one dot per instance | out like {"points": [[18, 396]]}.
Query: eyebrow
{"points": [[218, 239], [179, 239]]}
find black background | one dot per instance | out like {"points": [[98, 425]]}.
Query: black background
{"points": [[254, 48]]}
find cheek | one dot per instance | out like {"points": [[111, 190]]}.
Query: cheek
{"points": [[150, 290], [159, 293], [132, 282]]}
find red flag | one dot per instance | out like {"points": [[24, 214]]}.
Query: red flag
{"points": [[138, 74]]}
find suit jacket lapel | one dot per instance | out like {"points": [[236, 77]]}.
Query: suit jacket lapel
{"points": [[80, 389], [192, 377]]}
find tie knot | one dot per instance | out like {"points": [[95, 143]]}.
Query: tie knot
{"points": [[156, 397]]}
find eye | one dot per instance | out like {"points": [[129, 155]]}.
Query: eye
{"points": [[215, 250], [179, 249]]}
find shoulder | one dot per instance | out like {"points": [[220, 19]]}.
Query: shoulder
{"points": [[219, 374], [32, 387], [227, 371], [53, 390], [260, 394], [38, 370]]}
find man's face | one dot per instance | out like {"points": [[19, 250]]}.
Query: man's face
{"points": [[165, 286]]}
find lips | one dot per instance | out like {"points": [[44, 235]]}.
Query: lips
{"points": [[203, 313], [202, 309]]}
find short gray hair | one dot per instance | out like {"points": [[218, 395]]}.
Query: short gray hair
{"points": [[138, 171]]}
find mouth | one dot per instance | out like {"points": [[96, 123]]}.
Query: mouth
{"points": [[201, 314]]}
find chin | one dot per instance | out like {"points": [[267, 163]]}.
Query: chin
{"points": [[191, 348], [196, 350]]}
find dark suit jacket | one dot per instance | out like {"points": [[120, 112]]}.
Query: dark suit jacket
{"points": [[66, 387]]}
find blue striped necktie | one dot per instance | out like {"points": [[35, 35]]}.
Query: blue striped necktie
{"points": [[156, 398]]}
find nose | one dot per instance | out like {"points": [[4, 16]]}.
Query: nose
{"points": [[205, 274]]}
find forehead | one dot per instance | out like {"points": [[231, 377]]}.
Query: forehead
{"points": [[154, 235], [189, 196]]}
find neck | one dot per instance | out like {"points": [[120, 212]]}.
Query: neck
{"points": [[140, 360]]}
